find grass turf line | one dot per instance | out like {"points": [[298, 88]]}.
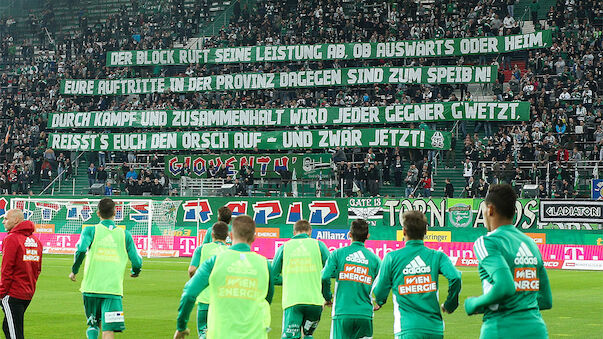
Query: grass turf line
{"points": [[151, 303]]}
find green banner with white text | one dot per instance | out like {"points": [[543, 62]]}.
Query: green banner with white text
{"points": [[269, 140], [343, 51], [295, 79], [396, 114]]}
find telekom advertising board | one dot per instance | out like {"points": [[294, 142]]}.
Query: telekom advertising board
{"points": [[578, 257]]}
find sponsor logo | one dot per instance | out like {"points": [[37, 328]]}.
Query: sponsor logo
{"points": [[323, 212], [526, 279], [30, 242], [553, 263], [44, 228], [114, 317], [469, 262], [357, 257], [416, 266], [330, 234], [241, 266], [524, 256], [266, 232], [573, 253], [266, 210], [438, 236], [415, 284], [197, 210], [539, 238], [594, 265], [356, 273], [31, 254], [460, 215]]}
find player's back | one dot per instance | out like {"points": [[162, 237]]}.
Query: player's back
{"points": [[414, 273], [355, 269], [524, 262]]}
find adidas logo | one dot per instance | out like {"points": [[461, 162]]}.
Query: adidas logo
{"points": [[524, 256], [417, 265], [29, 242], [241, 266], [357, 257]]}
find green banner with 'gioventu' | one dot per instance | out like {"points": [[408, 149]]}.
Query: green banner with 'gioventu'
{"points": [[268, 140], [396, 114]]}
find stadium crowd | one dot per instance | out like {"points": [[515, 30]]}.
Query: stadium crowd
{"points": [[562, 83]]}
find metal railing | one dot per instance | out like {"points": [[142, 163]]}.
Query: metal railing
{"points": [[59, 177]]}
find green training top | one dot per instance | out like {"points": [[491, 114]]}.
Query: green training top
{"points": [[300, 260], [208, 251], [354, 268], [201, 280], [412, 273], [84, 245], [512, 273]]}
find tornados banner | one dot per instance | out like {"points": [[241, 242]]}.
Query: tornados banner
{"points": [[345, 51], [271, 140], [296, 79], [428, 112]]}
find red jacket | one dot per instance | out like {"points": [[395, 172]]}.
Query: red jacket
{"points": [[21, 262]]}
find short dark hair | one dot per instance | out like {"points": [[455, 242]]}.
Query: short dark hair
{"points": [[224, 214], [106, 208], [415, 225], [220, 230], [243, 228], [503, 198], [302, 226], [359, 230]]}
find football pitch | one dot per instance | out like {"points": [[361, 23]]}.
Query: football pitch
{"points": [[151, 303]]}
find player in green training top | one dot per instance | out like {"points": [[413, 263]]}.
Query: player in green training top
{"points": [[224, 215], [240, 289], [412, 272], [354, 267], [219, 232], [106, 249], [514, 281], [301, 260]]}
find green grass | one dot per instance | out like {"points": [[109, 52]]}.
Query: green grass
{"points": [[151, 302]]}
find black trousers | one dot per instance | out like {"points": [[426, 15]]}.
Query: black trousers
{"points": [[14, 312]]}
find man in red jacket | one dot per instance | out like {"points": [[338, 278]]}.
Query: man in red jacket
{"points": [[21, 266]]}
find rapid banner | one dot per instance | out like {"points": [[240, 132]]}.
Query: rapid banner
{"points": [[62, 218], [268, 166], [295, 79], [269, 140], [383, 115], [344, 51]]}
